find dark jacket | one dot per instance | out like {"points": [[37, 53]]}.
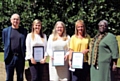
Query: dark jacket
{"points": [[6, 41]]}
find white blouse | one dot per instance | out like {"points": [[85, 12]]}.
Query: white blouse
{"points": [[36, 42], [59, 44]]}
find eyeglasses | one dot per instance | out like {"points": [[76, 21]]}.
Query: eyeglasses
{"points": [[101, 25]]}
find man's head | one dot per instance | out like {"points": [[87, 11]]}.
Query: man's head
{"points": [[103, 26], [15, 20]]}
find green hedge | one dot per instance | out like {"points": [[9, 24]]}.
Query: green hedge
{"points": [[68, 11]]}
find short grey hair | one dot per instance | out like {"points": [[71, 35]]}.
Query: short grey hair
{"points": [[103, 21], [15, 14]]}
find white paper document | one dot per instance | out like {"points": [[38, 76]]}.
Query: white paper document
{"points": [[58, 58], [77, 60], [38, 53]]}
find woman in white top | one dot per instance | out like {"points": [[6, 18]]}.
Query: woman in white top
{"points": [[36, 38], [58, 40]]}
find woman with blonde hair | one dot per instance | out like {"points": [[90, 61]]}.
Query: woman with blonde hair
{"points": [[36, 38], [58, 40], [79, 42]]}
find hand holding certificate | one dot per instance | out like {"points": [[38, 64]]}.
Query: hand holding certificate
{"points": [[58, 58], [38, 53], [77, 60]]}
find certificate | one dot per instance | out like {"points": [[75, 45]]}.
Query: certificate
{"points": [[77, 60], [38, 53], [58, 58]]}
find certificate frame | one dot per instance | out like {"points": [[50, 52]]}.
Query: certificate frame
{"points": [[77, 60], [58, 58], [38, 53]]}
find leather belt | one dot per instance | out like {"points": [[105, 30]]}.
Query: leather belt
{"points": [[16, 54]]}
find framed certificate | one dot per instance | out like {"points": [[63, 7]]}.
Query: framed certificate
{"points": [[77, 60], [58, 58], [38, 53]]}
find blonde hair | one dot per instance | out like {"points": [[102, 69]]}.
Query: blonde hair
{"points": [[76, 24], [41, 33], [54, 32]]}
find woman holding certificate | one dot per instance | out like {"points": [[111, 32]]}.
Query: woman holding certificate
{"points": [[57, 48], [36, 43], [79, 43]]}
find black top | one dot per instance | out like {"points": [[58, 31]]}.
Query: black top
{"points": [[15, 40]]}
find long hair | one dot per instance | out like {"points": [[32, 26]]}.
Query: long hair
{"points": [[54, 32], [76, 24], [40, 33]]}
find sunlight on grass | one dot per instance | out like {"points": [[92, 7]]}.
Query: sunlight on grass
{"points": [[26, 64], [1, 57], [118, 38]]}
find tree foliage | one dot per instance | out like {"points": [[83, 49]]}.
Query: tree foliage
{"points": [[68, 11]]}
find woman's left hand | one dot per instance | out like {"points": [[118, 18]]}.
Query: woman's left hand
{"points": [[65, 57], [114, 67], [85, 51], [42, 61]]}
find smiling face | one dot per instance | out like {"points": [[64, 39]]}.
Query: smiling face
{"points": [[80, 28], [59, 29], [102, 27], [15, 20], [37, 26]]}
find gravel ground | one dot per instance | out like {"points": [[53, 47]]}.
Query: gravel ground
{"points": [[26, 72], [3, 73]]}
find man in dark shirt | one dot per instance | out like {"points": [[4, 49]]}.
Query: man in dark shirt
{"points": [[13, 38]]}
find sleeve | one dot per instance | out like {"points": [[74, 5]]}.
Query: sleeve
{"points": [[49, 45], [71, 44], [68, 41], [46, 54], [28, 47], [25, 34], [113, 46]]}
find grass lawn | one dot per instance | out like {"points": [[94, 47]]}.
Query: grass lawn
{"points": [[118, 38], [1, 56]]}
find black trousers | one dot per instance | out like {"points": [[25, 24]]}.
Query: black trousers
{"points": [[81, 74], [16, 62], [36, 71]]}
